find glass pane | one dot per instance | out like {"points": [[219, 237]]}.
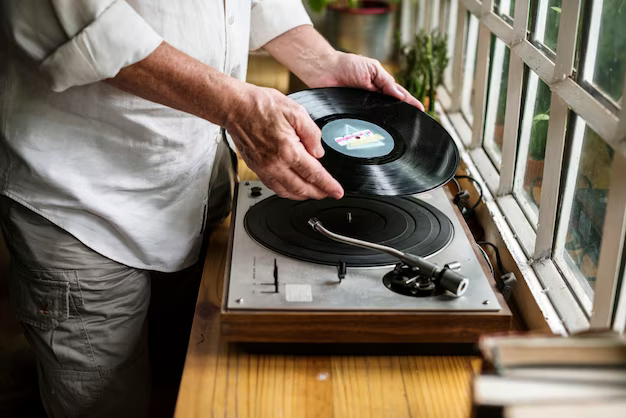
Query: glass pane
{"points": [[532, 149], [496, 100], [547, 27], [453, 8], [505, 7], [605, 62], [586, 218], [469, 70]]}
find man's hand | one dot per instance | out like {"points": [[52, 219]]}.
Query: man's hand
{"points": [[275, 135], [350, 70], [309, 56], [280, 143]]}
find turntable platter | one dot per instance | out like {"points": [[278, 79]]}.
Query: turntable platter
{"points": [[404, 223]]}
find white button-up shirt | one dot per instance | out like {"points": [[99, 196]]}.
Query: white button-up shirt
{"points": [[126, 176]]}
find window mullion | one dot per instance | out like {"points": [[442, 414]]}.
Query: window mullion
{"points": [[520, 21], [610, 258], [474, 7], [480, 81], [620, 135], [407, 21], [444, 6], [555, 146], [619, 323], [457, 69], [426, 23], [566, 41]]}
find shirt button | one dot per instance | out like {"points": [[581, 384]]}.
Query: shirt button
{"points": [[231, 20]]}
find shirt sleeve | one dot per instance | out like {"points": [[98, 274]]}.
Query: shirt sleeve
{"points": [[271, 18], [98, 39]]}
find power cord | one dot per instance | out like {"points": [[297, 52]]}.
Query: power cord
{"points": [[461, 199], [507, 281]]}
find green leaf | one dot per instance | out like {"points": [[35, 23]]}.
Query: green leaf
{"points": [[318, 5], [540, 117], [556, 9]]}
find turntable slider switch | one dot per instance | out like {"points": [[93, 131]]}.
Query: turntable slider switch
{"points": [[342, 270], [275, 284]]}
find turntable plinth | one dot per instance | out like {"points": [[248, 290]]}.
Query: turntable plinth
{"points": [[359, 308]]}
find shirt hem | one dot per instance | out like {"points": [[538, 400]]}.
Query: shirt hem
{"points": [[90, 245]]}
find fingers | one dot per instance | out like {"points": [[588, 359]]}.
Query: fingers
{"points": [[386, 83], [308, 132], [312, 172], [299, 176], [289, 184], [410, 99]]}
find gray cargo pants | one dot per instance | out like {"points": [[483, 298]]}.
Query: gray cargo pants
{"points": [[85, 315]]}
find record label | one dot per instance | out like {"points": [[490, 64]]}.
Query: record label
{"points": [[357, 138]]}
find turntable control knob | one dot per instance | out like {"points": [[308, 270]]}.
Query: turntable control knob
{"points": [[455, 265], [255, 191]]}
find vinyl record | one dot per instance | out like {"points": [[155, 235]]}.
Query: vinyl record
{"points": [[378, 145]]}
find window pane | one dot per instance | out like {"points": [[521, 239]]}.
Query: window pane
{"points": [[605, 61], [453, 8], [505, 7], [496, 100], [546, 30], [469, 70], [586, 216], [532, 148]]}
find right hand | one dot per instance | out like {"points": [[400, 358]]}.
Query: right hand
{"points": [[280, 143]]}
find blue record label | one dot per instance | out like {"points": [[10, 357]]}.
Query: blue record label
{"points": [[357, 138]]}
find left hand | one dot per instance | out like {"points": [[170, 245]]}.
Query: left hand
{"points": [[350, 70]]}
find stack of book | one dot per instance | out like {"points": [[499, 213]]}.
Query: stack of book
{"points": [[549, 376]]}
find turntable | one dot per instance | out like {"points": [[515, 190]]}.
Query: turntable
{"points": [[382, 266]]}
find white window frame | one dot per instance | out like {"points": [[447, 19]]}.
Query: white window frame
{"points": [[533, 248]]}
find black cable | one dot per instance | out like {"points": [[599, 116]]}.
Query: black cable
{"points": [[482, 250], [498, 259], [480, 188], [458, 186]]}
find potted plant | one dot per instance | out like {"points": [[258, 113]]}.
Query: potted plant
{"points": [[364, 27], [422, 64]]}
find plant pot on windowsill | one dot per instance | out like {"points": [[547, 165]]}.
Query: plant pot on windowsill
{"points": [[365, 29]]}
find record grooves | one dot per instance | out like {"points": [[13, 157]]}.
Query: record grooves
{"points": [[405, 223], [378, 145]]}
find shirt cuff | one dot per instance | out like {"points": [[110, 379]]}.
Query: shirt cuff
{"points": [[117, 38], [271, 18]]}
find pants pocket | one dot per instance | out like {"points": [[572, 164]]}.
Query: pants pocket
{"points": [[40, 298], [70, 393]]}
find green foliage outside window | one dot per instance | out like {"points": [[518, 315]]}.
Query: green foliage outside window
{"points": [[422, 64]]}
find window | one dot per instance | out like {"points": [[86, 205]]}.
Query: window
{"points": [[605, 59], [585, 199], [505, 8], [546, 27], [550, 145], [532, 147], [496, 101]]}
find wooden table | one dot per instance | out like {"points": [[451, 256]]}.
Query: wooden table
{"points": [[223, 379]]}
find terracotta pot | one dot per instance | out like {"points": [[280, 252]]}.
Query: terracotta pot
{"points": [[533, 177], [366, 30]]}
